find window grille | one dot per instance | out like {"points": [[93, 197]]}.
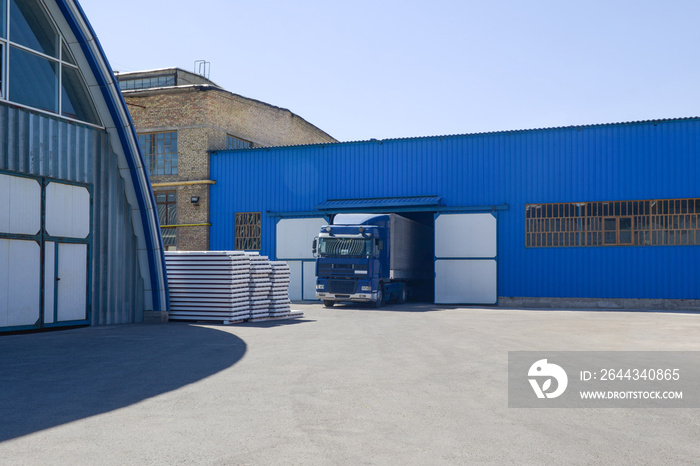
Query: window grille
{"points": [[247, 231], [658, 222]]}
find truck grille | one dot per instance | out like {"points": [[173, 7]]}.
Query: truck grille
{"points": [[342, 286], [340, 269]]}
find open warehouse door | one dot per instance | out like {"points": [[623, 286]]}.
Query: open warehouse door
{"points": [[466, 259]]}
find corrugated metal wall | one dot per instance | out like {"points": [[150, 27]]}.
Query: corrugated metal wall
{"points": [[649, 160], [45, 146]]}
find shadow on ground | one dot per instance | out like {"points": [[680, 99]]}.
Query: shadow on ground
{"points": [[50, 379], [389, 307]]}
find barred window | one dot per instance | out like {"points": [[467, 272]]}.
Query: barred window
{"points": [[166, 201], [232, 142], [657, 222], [247, 231], [160, 150]]}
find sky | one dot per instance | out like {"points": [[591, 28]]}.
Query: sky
{"points": [[388, 69]]}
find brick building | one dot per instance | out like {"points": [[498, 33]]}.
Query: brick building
{"points": [[180, 117]]}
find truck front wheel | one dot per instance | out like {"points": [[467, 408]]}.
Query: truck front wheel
{"points": [[380, 298], [328, 303]]}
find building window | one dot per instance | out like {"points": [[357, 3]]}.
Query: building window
{"points": [[166, 201], [147, 83], [160, 150], [247, 231], [37, 69], [232, 142], [660, 222]]}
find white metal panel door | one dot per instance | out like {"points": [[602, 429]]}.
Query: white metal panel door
{"points": [[20, 251], [71, 282], [20, 282], [295, 280], [466, 270], [294, 238], [60, 231], [309, 288]]}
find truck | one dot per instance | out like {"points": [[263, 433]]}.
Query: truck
{"points": [[371, 258]]}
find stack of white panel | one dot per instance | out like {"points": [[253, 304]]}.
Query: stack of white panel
{"points": [[280, 304], [208, 285], [259, 285]]}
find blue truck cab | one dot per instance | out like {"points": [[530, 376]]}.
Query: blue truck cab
{"points": [[369, 258]]}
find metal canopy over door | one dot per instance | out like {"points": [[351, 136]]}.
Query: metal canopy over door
{"points": [[49, 219], [466, 259], [294, 238]]}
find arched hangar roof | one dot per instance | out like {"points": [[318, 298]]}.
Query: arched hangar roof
{"points": [[117, 121]]}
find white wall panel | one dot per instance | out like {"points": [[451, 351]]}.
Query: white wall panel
{"points": [[20, 282], [20, 205], [67, 210], [309, 270], [72, 286], [465, 282], [465, 235], [295, 237], [295, 280]]}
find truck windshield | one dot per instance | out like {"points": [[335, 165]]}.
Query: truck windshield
{"points": [[350, 247]]}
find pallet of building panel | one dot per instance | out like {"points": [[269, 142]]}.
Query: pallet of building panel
{"points": [[208, 285]]}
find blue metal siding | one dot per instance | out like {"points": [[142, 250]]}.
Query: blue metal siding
{"points": [[631, 161]]}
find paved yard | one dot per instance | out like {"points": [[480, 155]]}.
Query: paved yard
{"points": [[413, 384]]}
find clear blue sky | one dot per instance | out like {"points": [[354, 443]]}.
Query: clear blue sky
{"points": [[386, 69]]}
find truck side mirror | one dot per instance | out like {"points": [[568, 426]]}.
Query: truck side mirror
{"points": [[379, 246], [313, 246]]}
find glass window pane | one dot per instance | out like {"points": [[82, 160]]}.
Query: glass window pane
{"points": [[30, 26], [3, 18], [33, 80], [66, 55], [169, 237], [76, 101]]}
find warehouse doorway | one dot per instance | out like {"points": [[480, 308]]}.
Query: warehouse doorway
{"points": [[45, 236]]}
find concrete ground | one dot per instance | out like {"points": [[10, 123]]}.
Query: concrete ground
{"points": [[412, 384]]}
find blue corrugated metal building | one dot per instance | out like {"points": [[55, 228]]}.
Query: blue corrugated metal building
{"points": [[602, 211]]}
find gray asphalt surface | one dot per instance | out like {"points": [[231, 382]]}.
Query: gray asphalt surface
{"points": [[412, 384]]}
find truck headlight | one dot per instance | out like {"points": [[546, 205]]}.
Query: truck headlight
{"points": [[320, 286], [366, 288]]}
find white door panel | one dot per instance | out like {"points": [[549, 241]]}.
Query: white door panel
{"points": [[72, 282], [465, 235], [309, 270], [465, 281], [20, 282], [20, 205], [67, 210], [466, 270], [49, 281], [295, 237], [295, 280]]}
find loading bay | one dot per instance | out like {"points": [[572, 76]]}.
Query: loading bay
{"points": [[409, 384]]}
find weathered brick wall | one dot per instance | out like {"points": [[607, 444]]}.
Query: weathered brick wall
{"points": [[202, 117]]}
